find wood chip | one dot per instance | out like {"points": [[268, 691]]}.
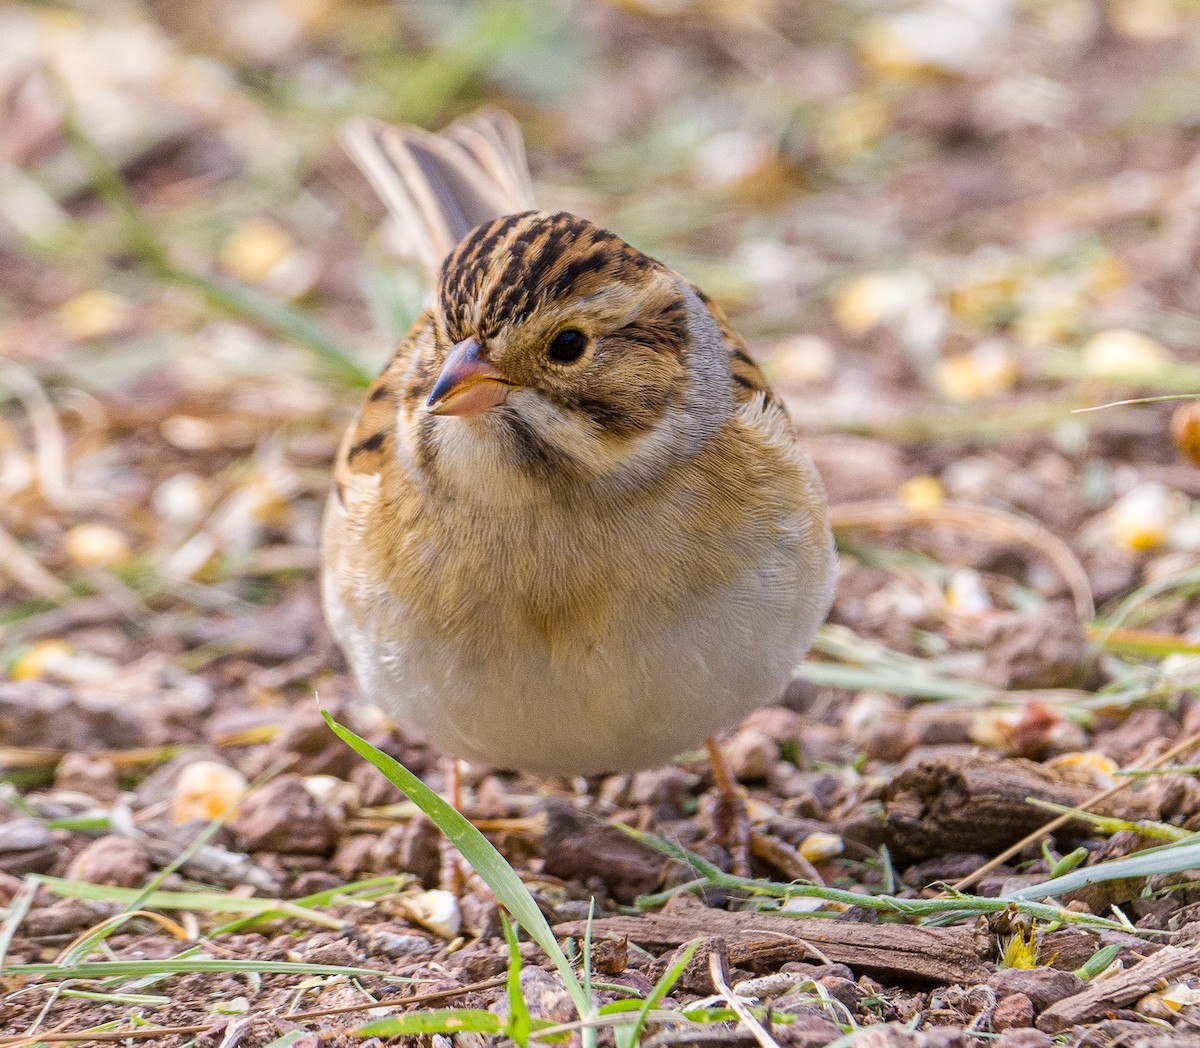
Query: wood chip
{"points": [[950, 955], [1120, 991], [963, 803]]}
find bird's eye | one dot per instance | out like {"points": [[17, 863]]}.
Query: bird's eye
{"points": [[567, 346]]}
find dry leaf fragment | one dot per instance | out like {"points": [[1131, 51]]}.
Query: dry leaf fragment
{"points": [[855, 125], [96, 545], [341, 798], [1142, 518], [437, 910], [818, 847], [984, 371], [40, 658], [57, 660], [1185, 430], [922, 493], [1147, 20], [93, 314], [941, 37], [1099, 766], [967, 595], [1164, 1003], [206, 790], [254, 251], [803, 359], [874, 299], [1121, 353]]}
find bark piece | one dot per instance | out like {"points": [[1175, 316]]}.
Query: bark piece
{"points": [[95, 777], [1069, 948], [895, 1035], [808, 1031], [1039, 648], [946, 955], [1121, 990], [1130, 1033], [964, 803]]}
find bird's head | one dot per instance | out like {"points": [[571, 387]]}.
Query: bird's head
{"points": [[574, 354]]}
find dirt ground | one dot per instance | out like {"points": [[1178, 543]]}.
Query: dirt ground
{"points": [[942, 227]]}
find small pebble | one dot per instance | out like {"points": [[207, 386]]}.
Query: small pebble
{"points": [[112, 859], [383, 942], [1023, 1038], [26, 846], [751, 754], [282, 816], [1043, 986], [1013, 1012], [94, 777]]}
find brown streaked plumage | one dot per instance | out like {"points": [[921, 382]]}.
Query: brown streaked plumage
{"points": [[571, 528]]}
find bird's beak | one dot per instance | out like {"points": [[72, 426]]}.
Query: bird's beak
{"points": [[467, 384]]}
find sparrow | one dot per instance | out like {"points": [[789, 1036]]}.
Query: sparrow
{"points": [[571, 530]]}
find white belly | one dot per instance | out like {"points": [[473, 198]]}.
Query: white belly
{"points": [[631, 701]]}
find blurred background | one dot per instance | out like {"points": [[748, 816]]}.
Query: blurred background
{"points": [[941, 225]]}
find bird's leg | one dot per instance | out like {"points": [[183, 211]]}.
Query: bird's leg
{"points": [[731, 821], [454, 870], [454, 779]]}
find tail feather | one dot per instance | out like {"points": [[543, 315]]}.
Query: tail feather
{"points": [[438, 187]]}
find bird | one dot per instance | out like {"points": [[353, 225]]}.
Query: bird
{"points": [[571, 531]]}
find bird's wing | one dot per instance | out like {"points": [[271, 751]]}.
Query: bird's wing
{"points": [[440, 186], [369, 446], [374, 500]]}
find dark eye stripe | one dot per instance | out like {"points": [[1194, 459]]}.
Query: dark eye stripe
{"points": [[372, 443]]}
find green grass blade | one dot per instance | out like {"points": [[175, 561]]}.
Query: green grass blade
{"points": [[478, 851], [586, 965], [518, 1026], [893, 680], [255, 909], [17, 909], [1174, 858], [367, 890], [1068, 862], [186, 966], [1099, 961], [435, 1020], [203, 902], [621, 1007], [628, 1037], [118, 998], [280, 317], [930, 911], [288, 1039]]}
